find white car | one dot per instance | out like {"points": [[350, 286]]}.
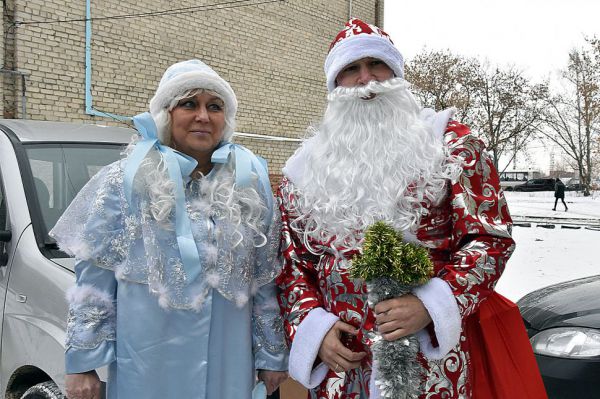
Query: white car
{"points": [[42, 167]]}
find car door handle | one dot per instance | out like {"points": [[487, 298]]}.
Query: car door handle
{"points": [[21, 298]]}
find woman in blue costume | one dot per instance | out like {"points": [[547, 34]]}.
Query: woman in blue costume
{"points": [[176, 248]]}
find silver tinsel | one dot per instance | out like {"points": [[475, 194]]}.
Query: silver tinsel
{"points": [[399, 374]]}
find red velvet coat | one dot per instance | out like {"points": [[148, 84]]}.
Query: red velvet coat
{"points": [[468, 235]]}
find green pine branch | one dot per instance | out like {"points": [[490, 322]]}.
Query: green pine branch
{"points": [[386, 255]]}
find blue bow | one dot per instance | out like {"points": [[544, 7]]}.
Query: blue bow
{"points": [[180, 166]]}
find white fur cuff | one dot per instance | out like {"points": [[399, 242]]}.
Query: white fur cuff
{"points": [[437, 120], [441, 304], [86, 293], [305, 347]]}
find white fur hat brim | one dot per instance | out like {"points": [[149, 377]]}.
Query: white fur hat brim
{"points": [[361, 46]]}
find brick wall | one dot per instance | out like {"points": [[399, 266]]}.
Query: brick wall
{"points": [[272, 54]]}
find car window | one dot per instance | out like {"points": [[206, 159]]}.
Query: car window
{"points": [[59, 171]]}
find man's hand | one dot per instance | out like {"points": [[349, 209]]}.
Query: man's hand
{"points": [[272, 379], [399, 317], [333, 352], [83, 385]]}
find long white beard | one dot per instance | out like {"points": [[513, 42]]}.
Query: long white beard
{"points": [[371, 160]]}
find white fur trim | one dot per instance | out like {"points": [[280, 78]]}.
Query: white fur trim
{"points": [[241, 299], [305, 347], [360, 46], [294, 167], [84, 293], [163, 296], [192, 80], [213, 278], [441, 304], [439, 120]]}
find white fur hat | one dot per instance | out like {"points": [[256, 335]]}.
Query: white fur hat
{"points": [[359, 40], [189, 75]]}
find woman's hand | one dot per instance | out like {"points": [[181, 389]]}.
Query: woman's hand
{"points": [[83, 385], [272, 379], [333, 352], [399, 317]]}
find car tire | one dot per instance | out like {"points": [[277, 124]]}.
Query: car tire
{"points": [[44, 390]]}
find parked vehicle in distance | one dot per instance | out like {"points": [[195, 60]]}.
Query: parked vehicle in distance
{"points": [[563, 324], [511, 178], [574, 185], [546, 184], [43, 165]]}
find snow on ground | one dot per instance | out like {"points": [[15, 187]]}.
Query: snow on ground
{"points": [[548, 256]]}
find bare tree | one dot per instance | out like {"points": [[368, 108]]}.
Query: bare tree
{"points": [[443, 80], [573, 116], [507, 110], [596, 159], [501, 105]]}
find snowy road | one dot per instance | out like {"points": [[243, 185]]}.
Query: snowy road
{"points": [[546, 256]]}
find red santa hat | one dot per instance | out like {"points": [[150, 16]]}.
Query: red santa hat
{"points": [[359, 40]]}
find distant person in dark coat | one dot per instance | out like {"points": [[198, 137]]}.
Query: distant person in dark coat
{"points": [[559, 192]]}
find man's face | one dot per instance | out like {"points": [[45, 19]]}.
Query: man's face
{"points": [[363, 71]]}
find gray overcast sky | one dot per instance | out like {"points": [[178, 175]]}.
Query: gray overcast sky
{"points": [[535, 35]]}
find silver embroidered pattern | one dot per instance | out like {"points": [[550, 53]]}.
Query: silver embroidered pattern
{"points": [[269, 331], [89, 324], [102, 228]]}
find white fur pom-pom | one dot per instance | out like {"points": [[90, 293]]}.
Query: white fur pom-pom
{"points": [[163, 296], [241, 299], [213, 279]]}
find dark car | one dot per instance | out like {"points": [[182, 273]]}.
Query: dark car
{"points": [[536, 185], [563, 324], [575, 185]]}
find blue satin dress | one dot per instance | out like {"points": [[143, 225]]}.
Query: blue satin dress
{"points": [[133, 310]]}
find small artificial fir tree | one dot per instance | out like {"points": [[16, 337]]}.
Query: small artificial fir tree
{"points": [[392, 268]]}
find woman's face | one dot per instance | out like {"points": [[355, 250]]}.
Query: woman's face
{"points": [[197, 125]]}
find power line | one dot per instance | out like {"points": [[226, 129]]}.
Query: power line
{"points": [[174, 11]]}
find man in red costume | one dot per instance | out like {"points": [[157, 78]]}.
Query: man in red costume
{"points": [[377, 155]]}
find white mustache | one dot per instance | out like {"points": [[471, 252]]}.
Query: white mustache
{"points": [[373, 87]]}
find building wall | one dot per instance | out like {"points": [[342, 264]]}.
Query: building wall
{"points": [[272, 54]]}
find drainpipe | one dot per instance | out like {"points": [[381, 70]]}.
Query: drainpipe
{"points": [[89, 109], [23, 89], [349, 9]]}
